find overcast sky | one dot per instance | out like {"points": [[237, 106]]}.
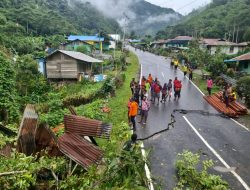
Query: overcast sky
{"points": [[182, 6]]}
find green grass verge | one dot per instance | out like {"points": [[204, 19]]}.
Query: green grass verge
{"points": [[118, 104], [202, 84]]}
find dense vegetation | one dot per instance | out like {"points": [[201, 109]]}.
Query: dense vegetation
{"points": [[28, 26], [208, 22], [47, 17]]}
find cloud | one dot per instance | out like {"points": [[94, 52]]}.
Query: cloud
{"points": [[114, 8], [160, 18]]}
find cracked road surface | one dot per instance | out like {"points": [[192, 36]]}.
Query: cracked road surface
{"points": [[217, 138]]}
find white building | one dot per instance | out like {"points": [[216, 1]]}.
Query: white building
{"points": [[229, 48], [114, 39]]}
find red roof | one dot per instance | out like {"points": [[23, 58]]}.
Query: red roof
{"points": [[242, 57]]}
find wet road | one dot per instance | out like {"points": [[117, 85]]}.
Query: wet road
{"points": [[220, 139]]}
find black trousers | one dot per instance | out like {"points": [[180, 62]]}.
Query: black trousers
{"points": [[132, 118]]}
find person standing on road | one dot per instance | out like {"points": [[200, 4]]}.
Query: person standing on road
{"points": [[209, 85], [137, 93], [190, 71], [144, 110], [177, 93], [152, 87], [164, 93], [147, 86], [133, 112], [176, 63], [175, 81], [157, 91], [169, 89], [143, 82], [132, 85], [128, 105], [185, 69], [150, 78]]}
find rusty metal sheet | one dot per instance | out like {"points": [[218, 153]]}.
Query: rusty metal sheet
{"points": [[86, 127], [45, 139], [26, 134], [79, 150], [6, 150], [233, 110]]}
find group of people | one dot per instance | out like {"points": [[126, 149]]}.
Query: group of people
{"points": [[158, 93], [186, 68]]}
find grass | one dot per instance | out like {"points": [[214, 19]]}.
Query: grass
{"points": [[84, 89], [202, 84], [118, 104]]}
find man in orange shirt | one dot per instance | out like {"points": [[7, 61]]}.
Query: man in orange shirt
{"points": [[133, 112], [150, 79]]}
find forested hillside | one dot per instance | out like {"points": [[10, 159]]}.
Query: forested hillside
{"points": [[150, 18], [23, 22], [228, 19]]}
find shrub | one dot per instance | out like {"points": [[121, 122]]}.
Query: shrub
{"points": [[190, 178], [243, 89]]}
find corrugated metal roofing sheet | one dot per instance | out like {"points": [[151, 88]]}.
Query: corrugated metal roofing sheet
{"points": [[183, 38], [78, 55], [242, 57], [79, 150], [86, 38], [86, 127], [46, 140], [220, 42], [26, 134], [6, 150]]}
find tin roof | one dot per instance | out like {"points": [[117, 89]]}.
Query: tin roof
{"points": [[220, 42], [85, 38], [242, 57], [188, 38], [78, 55], [6, 150], [86, 127], [26, 134], [46, 140], [79, 150]]}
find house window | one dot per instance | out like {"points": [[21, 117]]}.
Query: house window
{"points": [[231, 50]]}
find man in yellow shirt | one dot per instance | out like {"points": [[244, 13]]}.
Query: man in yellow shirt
{"points": [[176, 63]]}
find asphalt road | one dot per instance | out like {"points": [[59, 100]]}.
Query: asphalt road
{"points": [[218, 138]]}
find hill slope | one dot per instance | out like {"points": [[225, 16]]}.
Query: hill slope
{"points": [[150, 18], [137, 15], [48, 17], [220, 19]]}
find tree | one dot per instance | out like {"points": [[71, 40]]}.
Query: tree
{"points": [[243, 88], [8, 95], [30, 83]]}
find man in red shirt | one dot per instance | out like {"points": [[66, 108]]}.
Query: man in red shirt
{"points": [[177, 87]]}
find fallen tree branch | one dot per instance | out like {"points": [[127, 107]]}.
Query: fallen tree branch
{"points": [[12, 173]]}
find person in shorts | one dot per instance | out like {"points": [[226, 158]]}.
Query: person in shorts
{"points": [[169, 89], [157, 91], [164, 93], [144, 110]]}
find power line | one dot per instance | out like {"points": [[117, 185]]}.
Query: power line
{"points": [[186, 5]]}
